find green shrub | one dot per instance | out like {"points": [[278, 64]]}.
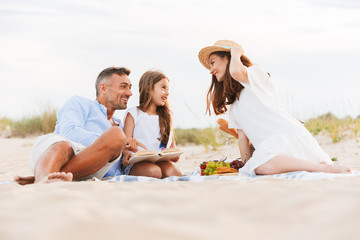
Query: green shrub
{"points": [[4, 122], [208, 137], [41, 124], [337, 128]]}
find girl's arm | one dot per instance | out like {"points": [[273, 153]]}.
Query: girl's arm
{"points": [[237, 69], [129, 125], [131, 143], [173, 145]]}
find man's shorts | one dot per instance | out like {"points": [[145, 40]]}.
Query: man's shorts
{"points": [[44, 142]]}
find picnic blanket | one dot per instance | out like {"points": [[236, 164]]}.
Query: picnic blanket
{"points": [[196, 177]]}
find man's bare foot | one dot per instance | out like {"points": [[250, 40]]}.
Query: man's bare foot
{"points": [[63, 176], [56, 177], [24, 180]]}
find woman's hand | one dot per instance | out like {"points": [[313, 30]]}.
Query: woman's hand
{"points": [[237, 51], [126, 156], [237, 69]]}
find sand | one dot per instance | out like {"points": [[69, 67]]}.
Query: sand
{"points": [[218, 209]]}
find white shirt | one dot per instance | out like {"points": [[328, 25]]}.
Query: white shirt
{"points": [[147, 129], [272, 131]]}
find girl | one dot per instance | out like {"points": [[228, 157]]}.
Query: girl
{"points": [[150, 124], [282, 144]]}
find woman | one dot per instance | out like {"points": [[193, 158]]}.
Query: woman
{"points": [[282, 144]]}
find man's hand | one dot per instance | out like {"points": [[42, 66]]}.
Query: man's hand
{"points": [[125, 158], [131, 145]]}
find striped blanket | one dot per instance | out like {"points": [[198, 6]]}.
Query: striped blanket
{"points": [[195, 177]]}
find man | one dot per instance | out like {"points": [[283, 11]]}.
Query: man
{"points": [[87, 139]]}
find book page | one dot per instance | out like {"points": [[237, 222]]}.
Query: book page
{"points": [[153, 156], [150, 158]]}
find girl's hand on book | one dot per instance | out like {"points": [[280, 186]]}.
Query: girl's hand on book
{"points": [[131, 145], [175, 159]]}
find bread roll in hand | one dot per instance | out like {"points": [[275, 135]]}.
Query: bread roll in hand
{"points": [[224, 126]]}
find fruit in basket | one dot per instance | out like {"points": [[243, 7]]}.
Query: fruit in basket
{"points": [[202, 168], [203, 165], [222, 170], [216, 167], [237, 164]]}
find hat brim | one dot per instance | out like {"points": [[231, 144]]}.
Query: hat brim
{"points": [[205, 53]]}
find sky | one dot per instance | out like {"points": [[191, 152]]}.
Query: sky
{"points": [[51, 50]]}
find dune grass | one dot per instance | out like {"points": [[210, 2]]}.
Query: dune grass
{"points": [[5, 122], [35, 125], [205, 137], [210, 138], [337, 128]]}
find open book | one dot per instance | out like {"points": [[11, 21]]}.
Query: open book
{"points": [[153, 156]]}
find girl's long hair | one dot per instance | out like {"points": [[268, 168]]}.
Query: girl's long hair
{"points": [[146, 84], [227, 91]]}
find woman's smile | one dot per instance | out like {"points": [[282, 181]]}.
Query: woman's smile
{"points": [[218, 66]]}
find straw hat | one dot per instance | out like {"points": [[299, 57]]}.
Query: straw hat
{"points": [[221, 45]]}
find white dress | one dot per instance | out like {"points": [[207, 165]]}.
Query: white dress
{"points": [[147, 130], [272, 131]]}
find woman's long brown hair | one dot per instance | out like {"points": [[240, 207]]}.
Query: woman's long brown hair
{"points": [[146, 84], [227, 91]]}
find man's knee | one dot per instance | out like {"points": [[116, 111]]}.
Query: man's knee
{"points": [[62, 147], [115, 138]]}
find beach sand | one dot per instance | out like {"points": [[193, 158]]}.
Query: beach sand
{"points": [[216, 209]]}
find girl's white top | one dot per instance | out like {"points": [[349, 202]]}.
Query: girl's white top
{"points": [[272, 131], [146, 129]]}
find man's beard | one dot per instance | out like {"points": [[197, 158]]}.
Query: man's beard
{"points": [[117, 105]]}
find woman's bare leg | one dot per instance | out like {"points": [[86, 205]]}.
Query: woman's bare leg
{"points": [[284, 164], [168, 169], [146, 169]]}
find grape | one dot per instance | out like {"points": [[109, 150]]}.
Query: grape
{"points": [[210, 167], [236, 164]]}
